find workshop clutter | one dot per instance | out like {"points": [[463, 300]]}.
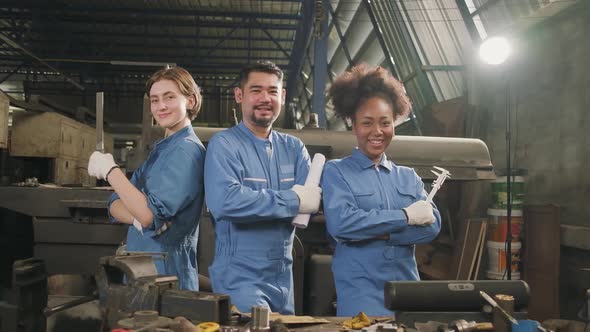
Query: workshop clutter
{"points": [[497, 228], [497, 242], [497, 238], [497, 223], [500, 192], [497, 260]]}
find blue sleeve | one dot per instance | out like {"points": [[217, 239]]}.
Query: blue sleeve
{"points": [[345, 220], [228, 199], [418, 234], [115, 196], [178, 184], [303, 164]]}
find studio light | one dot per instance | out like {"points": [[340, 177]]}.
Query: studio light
{"points": [[495, 50]]}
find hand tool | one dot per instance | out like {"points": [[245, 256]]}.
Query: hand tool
{"points": [[495, 305], [441, 177]]}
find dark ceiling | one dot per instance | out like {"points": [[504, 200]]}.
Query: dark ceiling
{"points": [[77, 46]]}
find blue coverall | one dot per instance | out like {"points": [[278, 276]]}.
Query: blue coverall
{"points": [[248, 182], [172, 180], [362, 203]]}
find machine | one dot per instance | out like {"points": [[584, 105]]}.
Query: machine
{"points": [[446, 301]]}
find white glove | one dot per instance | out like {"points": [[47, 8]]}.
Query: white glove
{"points": [[309, 198], [100, 164], [420, 213]]}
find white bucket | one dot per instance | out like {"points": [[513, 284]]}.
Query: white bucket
{"points": [[497, 222], [497, 260], [502, 276]]}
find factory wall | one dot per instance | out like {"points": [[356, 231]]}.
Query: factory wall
{"points": [[548, 83]]}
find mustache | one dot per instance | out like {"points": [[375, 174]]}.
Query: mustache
{"points": [[262, 105]]}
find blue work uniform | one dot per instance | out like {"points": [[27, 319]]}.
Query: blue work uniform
{"points": [[363, 207], [172, 180], [248, 182]]}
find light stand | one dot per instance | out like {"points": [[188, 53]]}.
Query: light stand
{"points": [[495, 51], [508, 186]]}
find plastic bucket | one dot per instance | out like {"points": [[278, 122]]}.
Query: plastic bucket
{"points": [[500, 192], [497, 260], [503, 275], [497, 222]]}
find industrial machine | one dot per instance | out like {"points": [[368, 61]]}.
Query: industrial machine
{"points": [[127, 286], [130, 283], [447, 301]]}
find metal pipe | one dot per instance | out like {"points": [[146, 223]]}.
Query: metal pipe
{"points": [[452, 295], [260, 319], [50, 311], [508, 184], [99, 121]]}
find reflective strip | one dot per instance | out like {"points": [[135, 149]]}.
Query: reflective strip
{"points": [[255, 179], [287, 179]]}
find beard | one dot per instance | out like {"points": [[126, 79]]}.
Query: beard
{"points": [[262, 122]]}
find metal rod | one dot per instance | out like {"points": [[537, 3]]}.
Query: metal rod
{"points": [[508, 185], [468, 19], [50, 311], [99, 121], [343, 43]]}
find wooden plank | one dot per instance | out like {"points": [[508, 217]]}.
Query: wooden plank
{"points": [[541, 259], [480, 250], [467, 251], [459, 255]]}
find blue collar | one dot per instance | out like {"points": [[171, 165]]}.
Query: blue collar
{"points": [[242, 127], [365, 162], [177, 136]]}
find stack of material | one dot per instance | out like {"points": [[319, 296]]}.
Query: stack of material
{"points": [[498, 230]]}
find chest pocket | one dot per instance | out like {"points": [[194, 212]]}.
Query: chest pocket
{"points": [[287, 176], [366, 200], [406, 196]]}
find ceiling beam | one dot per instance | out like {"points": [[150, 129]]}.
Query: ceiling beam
{"points": [[52, 34], [155, 22], [56, 8], [18, 47]]}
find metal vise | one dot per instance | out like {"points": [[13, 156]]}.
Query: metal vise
{"points": [[23, 307], [131, 283]]}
